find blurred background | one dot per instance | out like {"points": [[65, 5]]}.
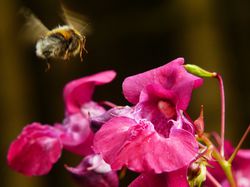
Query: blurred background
{"points": [[129, 36]]}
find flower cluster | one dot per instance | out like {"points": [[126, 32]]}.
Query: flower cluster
{"points": [[153, 137]]}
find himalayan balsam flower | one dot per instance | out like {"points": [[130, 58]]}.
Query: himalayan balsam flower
{"points": [[35, 150], [38, 147], [77, 136], [154, 136]]}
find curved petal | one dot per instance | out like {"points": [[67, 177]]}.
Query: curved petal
{"points": [[81, 90], [35, 150], [121, 141], [171, 179], [94, 172], [76, 134], [171, 76]]}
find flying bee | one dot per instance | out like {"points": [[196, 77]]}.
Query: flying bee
{"points": [[62, 42]]}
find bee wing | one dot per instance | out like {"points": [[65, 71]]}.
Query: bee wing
{"points": [[33, 28], [76, 20]]}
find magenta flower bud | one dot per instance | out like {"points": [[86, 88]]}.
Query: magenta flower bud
{"points": [[199, 123]]}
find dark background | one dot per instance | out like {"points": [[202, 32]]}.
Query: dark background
{"points": [[130, 37]]}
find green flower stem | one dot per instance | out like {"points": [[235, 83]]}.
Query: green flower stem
{"points": [[230, 160], [225, 165]]}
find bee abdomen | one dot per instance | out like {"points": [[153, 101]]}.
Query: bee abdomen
{"points": [[51, 46]]}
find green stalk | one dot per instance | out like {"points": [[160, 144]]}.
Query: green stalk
{"points": [[225, 165], [230, 160]]}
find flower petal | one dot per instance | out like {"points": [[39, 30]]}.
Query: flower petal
{"points": [[171, 179], [171, 76], [76, 134], [35, 150], [94, 172], [79, 91], [121, 141]]}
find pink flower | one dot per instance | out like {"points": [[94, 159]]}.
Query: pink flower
{"points": [[171, 179], [35, 150], [154, 136], [240, 167], [94, 172], [77, 136], [38, 147]]}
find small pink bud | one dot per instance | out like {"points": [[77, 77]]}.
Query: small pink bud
{"points": [[199, 123]]}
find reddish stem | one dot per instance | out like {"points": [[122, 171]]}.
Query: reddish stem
{"points": [[222, 95]]}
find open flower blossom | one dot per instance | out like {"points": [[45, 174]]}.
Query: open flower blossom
{"points": [[38, 147], [77, 136], [240, 167], [94, 172], [155, 136]]}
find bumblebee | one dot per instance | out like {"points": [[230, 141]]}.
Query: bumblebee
{"points": [[62, 42]]}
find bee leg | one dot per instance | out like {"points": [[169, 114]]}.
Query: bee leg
{"points": [[81, 53], [82, 48], [66, 55], [48, 66], [83, 45]]}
